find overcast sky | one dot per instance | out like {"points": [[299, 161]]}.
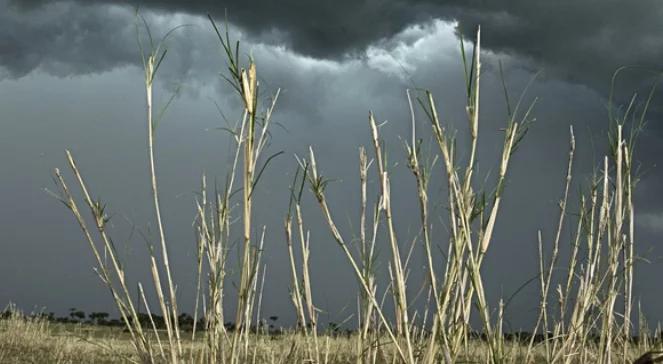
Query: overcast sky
{"points": [[70, 77]]}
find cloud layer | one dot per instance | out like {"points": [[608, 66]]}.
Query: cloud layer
{"points": [[579, 41]]}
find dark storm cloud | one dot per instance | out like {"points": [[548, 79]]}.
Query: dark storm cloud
{"points": [[318, 28], [80, 37], [580, 41], [64, 39]]}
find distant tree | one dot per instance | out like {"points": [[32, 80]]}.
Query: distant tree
{"points": [[5, 314], [76, 314], [79, 315], [273, 319], [98, 318], [185, 319]]}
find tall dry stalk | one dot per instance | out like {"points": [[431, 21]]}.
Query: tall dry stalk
{"points": [[169, 305], [302, 298], [545, 277], [318, 185], [366, 351], [152, 60], [111, 273], [399, 284], [213, 234], [253, 137]]}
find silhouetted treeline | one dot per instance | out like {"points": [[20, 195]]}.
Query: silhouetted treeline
{"points": [[186, 322]]}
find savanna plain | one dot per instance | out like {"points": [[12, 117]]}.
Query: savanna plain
{"points": [[587, 312]]}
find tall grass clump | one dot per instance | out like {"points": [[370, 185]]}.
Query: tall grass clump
{"points": [[213, 225], [472, 218], [588, 324]]}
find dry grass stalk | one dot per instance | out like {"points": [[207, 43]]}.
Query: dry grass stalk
{"points": [[318, 184], [545, 277], [397, 265], [118, 285], [302, 299], [366, 352]]}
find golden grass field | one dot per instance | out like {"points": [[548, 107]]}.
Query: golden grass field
{"points": [[26, 340]]}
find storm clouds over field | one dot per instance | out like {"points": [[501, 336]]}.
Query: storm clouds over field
{"points": [[71, 77]]}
